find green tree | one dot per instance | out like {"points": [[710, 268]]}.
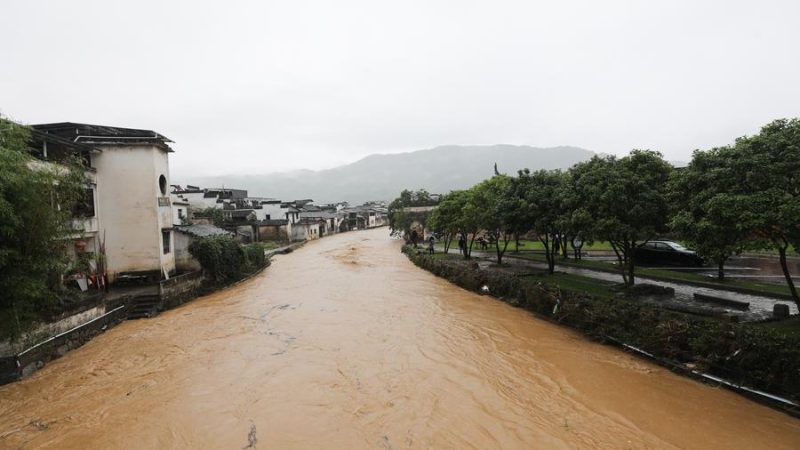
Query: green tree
{"points": [[706, 214], [542, 206], [469, 221], [448, 215], [626, 199], [215, 215], [400, 219], [495, 211], [767, 169], [36, 202], [221, 257]]}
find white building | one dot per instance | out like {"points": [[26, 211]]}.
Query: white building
{"points": [[133, 216]]}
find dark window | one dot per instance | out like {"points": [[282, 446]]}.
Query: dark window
{"points": [[162, 184], [85, 205], [165, 240], [180, 213]]}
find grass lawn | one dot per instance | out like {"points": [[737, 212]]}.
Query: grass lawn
{"points": [[451, 255], [790, 251], [790, 326], [575, 283], [670, 274], [537, 245], [270, 245], [531, 245]]}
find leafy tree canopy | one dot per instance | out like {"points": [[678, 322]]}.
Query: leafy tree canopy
{"points": [[36, 202]]}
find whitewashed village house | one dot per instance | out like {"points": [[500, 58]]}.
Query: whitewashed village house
{"points": [[130, 217]]}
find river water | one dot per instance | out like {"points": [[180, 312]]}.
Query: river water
{"points": [[344, 344]]}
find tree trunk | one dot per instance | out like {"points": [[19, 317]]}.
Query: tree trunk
{"points": [[468, 249], [631, 273], [501, 252], [576, 249], [788, 276], [620, 260], [548, 254], [629, 247]]}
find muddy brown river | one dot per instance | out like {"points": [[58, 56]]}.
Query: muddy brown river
{"points": [[344, 344]]}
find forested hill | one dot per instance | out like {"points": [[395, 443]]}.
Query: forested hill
{"points": [[383, 176]]}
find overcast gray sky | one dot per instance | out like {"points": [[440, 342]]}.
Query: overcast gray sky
{"points": [[262, 86]]}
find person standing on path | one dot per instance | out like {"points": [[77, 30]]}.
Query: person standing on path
{"points": [[462, 243], [430, 245]]}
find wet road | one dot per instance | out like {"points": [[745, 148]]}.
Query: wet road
{"points": [[766, 269], [344, 344], [760, 306]]}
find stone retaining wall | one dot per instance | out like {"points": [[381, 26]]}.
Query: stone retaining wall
{"points": [[33, 358], [180, 289]]}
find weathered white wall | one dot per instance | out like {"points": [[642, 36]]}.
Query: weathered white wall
{"points": [[178, 205], [306, 232], [198, 201], [261, 214], [161, 164], [274, 211], [129, 216], [184, 261]]}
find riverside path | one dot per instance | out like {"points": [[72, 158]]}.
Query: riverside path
{"points": [[344, 344]]}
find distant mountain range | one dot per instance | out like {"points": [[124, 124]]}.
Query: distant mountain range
{"points": [[383, 176]]}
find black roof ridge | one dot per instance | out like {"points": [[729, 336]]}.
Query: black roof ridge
{"points": [[79, 124]]}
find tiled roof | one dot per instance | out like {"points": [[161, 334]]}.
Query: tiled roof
{"points": [[201, 230], [274, 222], [102, 134]]}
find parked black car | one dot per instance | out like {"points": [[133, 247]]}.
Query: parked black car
{"points": [[666, 253]]}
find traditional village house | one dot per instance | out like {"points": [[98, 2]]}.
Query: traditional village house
{"points": [[85, 247], [132, 221], [306, 229], [184, 236], [181, 212], [329, 221], [275, 230]]}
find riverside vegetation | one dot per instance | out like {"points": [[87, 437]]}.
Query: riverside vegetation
{"points": [[37, 203], [40, 204], [730, 199], [745, 196], [224, 260], [761, 357]]}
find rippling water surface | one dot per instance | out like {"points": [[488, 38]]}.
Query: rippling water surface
{"points": [[344, 344]]}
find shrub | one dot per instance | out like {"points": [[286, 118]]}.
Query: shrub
{"points": [[254, 254], [221, 257]]}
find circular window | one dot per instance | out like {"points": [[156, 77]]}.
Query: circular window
{"points": [[162, 184]]}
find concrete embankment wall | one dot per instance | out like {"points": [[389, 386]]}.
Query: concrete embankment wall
{"points": [[52, 340], [33, 358], [71, 332], [180, 289], [75, 330]]}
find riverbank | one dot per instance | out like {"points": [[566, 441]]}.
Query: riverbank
{"points": [[749, 357], [43, 348]]}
